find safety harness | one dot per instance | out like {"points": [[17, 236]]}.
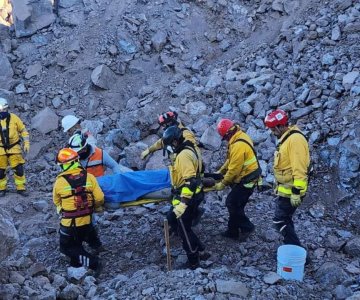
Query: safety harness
{"points": [[4, 135], [254, 174], [83, 198], [291, 132]]}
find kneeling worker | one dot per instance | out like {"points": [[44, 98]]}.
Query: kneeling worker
{"points": [[76, 195]]}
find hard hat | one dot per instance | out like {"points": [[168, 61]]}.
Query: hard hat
{"points": [[275, 118], [224, 126], [3, 104], [172, 133], [168, 118], [68, 122], [66, 155], [78, 142]]}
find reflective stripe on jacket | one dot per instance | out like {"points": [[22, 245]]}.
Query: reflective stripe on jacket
{"points": [[95, 164], [291, 163], [63, 196], [241, 159], [16, 131]]}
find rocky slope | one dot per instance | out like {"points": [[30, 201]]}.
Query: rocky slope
{"points": [[117, 64]]}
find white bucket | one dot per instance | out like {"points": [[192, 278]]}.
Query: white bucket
{"points": [[290, 262]]}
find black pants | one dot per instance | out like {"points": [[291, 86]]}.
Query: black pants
{"points": [[283, 222], [190, 241], [235, 203], [71, 244]]}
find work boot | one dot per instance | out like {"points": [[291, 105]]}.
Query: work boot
{"points": [[23, 193], [230, 234], [243, 236], [2, 193], [200, 211], [203, 255]]}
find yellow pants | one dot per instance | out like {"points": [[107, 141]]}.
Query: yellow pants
{"points": [[16, 162]]}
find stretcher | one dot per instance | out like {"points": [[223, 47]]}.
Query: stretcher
{"points": [[136, 188]]}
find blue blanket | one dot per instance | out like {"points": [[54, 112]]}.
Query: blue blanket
{"points": [[130, 186]]}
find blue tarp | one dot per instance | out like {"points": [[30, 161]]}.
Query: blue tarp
{"points": [[130, 186]]}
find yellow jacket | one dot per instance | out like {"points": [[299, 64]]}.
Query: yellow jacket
{"points": [[291, 163], [62, 191], [241, 159], [185, 167], [17, 131]]}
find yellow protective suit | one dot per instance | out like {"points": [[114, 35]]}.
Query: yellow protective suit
{"points": [[11, 152], [62, 191], [291, 163], [241, 159]]}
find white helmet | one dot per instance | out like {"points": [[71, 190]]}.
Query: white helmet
{"points": [[3, 104], [68, 122], [78, 142]]}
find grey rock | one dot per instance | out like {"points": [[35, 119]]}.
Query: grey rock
{"points": [[211, 139], [41, 205], [33, 70], [352, 247], [76, 273], [232, 287], [215, 80], [37, 269], [271, 278], [20, 89], [336, 33], [31, 16], [262, 62], [330, 274], [16, 277], [6, 72], [301, 112], [127, 47], [182, 89], [245, 108], [45, 121], [8, 95], [8, 235], [349, 79], [261, 80], [196, 108], [94, 126], [257, 135], [328, 59], [342, 292], [103, 77], [159, 40], [71, 292]]}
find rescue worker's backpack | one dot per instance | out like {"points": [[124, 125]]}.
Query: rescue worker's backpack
{"points": [[83, 199]]}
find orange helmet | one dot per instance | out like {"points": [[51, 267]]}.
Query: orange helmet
{"points": [[168, 119], [275, 118], [224, 126], [66, 155]]}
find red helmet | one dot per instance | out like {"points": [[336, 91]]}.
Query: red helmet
{"points": [[275, 118], [224, 126], [168, 118], [66, 155]]}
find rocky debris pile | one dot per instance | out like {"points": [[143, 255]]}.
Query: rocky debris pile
{"points": [[110, 64]]}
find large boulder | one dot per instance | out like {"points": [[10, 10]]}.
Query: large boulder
{"points": [[30, 16], [8, 235]]}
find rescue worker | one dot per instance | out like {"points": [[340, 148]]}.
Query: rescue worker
{"points": [[166, 120], [187, 192], [76, 194], [13, 139], [242, 172], [92, 158], [291, 164], [71, 125]]}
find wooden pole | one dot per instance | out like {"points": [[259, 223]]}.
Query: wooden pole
{"points": [[167, 243]]}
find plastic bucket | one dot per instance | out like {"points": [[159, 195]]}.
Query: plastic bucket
{"points": [[290, 262]]}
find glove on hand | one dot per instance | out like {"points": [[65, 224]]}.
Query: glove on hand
{"points": [[219, 186], [179, 209], [295, 198], [145, 153], [26, 147]]}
